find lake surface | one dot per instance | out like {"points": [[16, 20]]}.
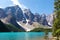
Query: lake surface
{"points": [[22, 35]]}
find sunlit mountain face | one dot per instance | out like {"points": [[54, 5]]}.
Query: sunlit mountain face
{"points": [[19, 15], [23, 18]]}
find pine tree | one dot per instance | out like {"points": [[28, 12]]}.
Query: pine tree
{"points": [[56, 23]]}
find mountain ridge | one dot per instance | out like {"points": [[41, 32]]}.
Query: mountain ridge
{"points": [[14, 14]]}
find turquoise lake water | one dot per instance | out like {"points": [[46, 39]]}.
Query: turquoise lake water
{"points": [[22, 36]]}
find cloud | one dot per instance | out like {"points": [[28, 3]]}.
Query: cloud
{"points": [[1, 7], [16, 2]]}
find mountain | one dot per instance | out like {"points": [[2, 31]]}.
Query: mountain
{"points": [[35, 17], [2, 13], [3, 28], [24, 20], [13, 14], [8, 28], [50, 20], [43, 20], [29, 16], [15, 11]]}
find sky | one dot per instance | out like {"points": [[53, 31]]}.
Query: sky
{"points": [[36, 6]]}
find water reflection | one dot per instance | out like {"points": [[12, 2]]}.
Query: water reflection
{"points": [[22, 36], [26, 34]]}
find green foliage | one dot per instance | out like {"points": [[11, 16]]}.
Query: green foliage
{"points": [[56, 23], [9, 28], [37, 30], [13, 28], [41, 30], [58, 32], [3, 28], [57, 5]]}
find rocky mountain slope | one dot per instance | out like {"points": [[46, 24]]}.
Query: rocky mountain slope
{"points": [[24, 20]]}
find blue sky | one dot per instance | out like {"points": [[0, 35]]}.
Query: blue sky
{"points": [[36, 6]]}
